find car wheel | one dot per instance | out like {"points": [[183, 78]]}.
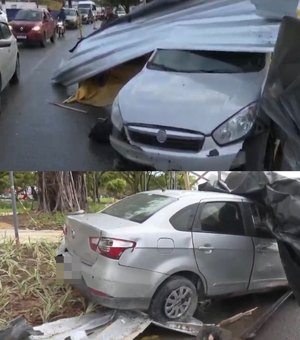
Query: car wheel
{"points": [[175, 300], [52, 39], [43, 42], [16, 77]]}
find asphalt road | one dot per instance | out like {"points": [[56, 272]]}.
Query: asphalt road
{"points": [[284, 325], [35, 135]]}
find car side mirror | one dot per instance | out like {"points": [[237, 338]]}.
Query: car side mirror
{"points": [[4, 44]]}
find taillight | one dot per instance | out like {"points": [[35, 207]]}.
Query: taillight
{"points": [[110, 247], [65, 229]]}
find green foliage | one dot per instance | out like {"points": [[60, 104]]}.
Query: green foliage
{"points": [[28, 284], [52, 4], [96, 207], [125, 3], [116, 187], [21, 180]]}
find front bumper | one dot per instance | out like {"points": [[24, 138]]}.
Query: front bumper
{"points": [[210, 157], [31, 36], [107, 283]]}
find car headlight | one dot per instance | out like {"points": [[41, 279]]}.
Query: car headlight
{"points": [[116, 116], [236, 127], [36, 28]]}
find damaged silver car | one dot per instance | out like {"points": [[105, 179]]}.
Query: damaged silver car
{"points": [[165, 251], [199, 103], [190, 109]]}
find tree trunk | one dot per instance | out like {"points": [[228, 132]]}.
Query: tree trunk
{"points": [[63, 191]]}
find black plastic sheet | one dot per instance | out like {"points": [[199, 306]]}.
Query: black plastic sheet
{"points": [[281, 97], [281, 196]]}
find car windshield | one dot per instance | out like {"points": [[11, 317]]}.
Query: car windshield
{"points": [[26, 15], [70, 12], [207, 61], [138, 208], [84, 6]]}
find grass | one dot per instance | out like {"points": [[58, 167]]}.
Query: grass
{"points": [[28, 285]]}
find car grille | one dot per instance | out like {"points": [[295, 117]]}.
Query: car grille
{"points": [[165, 138], [22, 29]]}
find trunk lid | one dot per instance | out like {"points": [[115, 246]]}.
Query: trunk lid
{"points": [[81, 227]]}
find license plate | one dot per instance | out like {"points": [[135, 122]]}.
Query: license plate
{"points": [[21, 37]]}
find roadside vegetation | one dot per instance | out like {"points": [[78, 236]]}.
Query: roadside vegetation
{"points": [[28, 285], [30, 218]]}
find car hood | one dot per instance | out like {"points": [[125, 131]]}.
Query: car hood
{"points": [[197, 102], [17, 23]]}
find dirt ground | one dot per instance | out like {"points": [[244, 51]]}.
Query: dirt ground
{"points": [[31, 221]]}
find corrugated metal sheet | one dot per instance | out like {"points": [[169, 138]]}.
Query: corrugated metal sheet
{"points": [[225, 25]]}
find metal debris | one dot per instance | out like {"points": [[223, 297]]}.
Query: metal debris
{"points": [[237, 317]]}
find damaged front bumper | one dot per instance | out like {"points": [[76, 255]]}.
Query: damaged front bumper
{"points": [[210, 157]]}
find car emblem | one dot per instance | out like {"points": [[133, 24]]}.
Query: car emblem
{"points": [[73, 233], [161, 136], [21, 29]]}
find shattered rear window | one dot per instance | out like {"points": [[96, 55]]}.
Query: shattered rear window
{"points": [[207, 61], [138, 208]]}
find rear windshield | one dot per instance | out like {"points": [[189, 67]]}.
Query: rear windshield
{"points": [[26, 15], [138, 208], [84, 6], [207, 61], [70, 12]]}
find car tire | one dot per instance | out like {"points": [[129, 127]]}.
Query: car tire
{"points": [[43, 42], [16, 76], [52, 39], [176, 288]]}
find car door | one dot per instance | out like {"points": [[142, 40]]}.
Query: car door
{"points": [[8, 54], [268, 270], [223, 252]]}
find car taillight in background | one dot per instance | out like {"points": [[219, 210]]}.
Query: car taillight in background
{"points": [[110, 247]]}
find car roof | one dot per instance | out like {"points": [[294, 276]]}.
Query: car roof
{"points": [[201, 194], [33, 9]]}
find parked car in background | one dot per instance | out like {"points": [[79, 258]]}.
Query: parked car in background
{"points": [[88, 5], [34, 26], [9, 58], [86, 16], [3, 16], [193, 119], [120, 13], [102, 15], [72, 18], [165, 251]]}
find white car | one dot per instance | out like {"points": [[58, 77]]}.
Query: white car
{"points": [[9, 58], [3, 16]]}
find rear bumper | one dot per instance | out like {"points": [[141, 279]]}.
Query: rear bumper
{"points": [[71, 24], [109, 284]]}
